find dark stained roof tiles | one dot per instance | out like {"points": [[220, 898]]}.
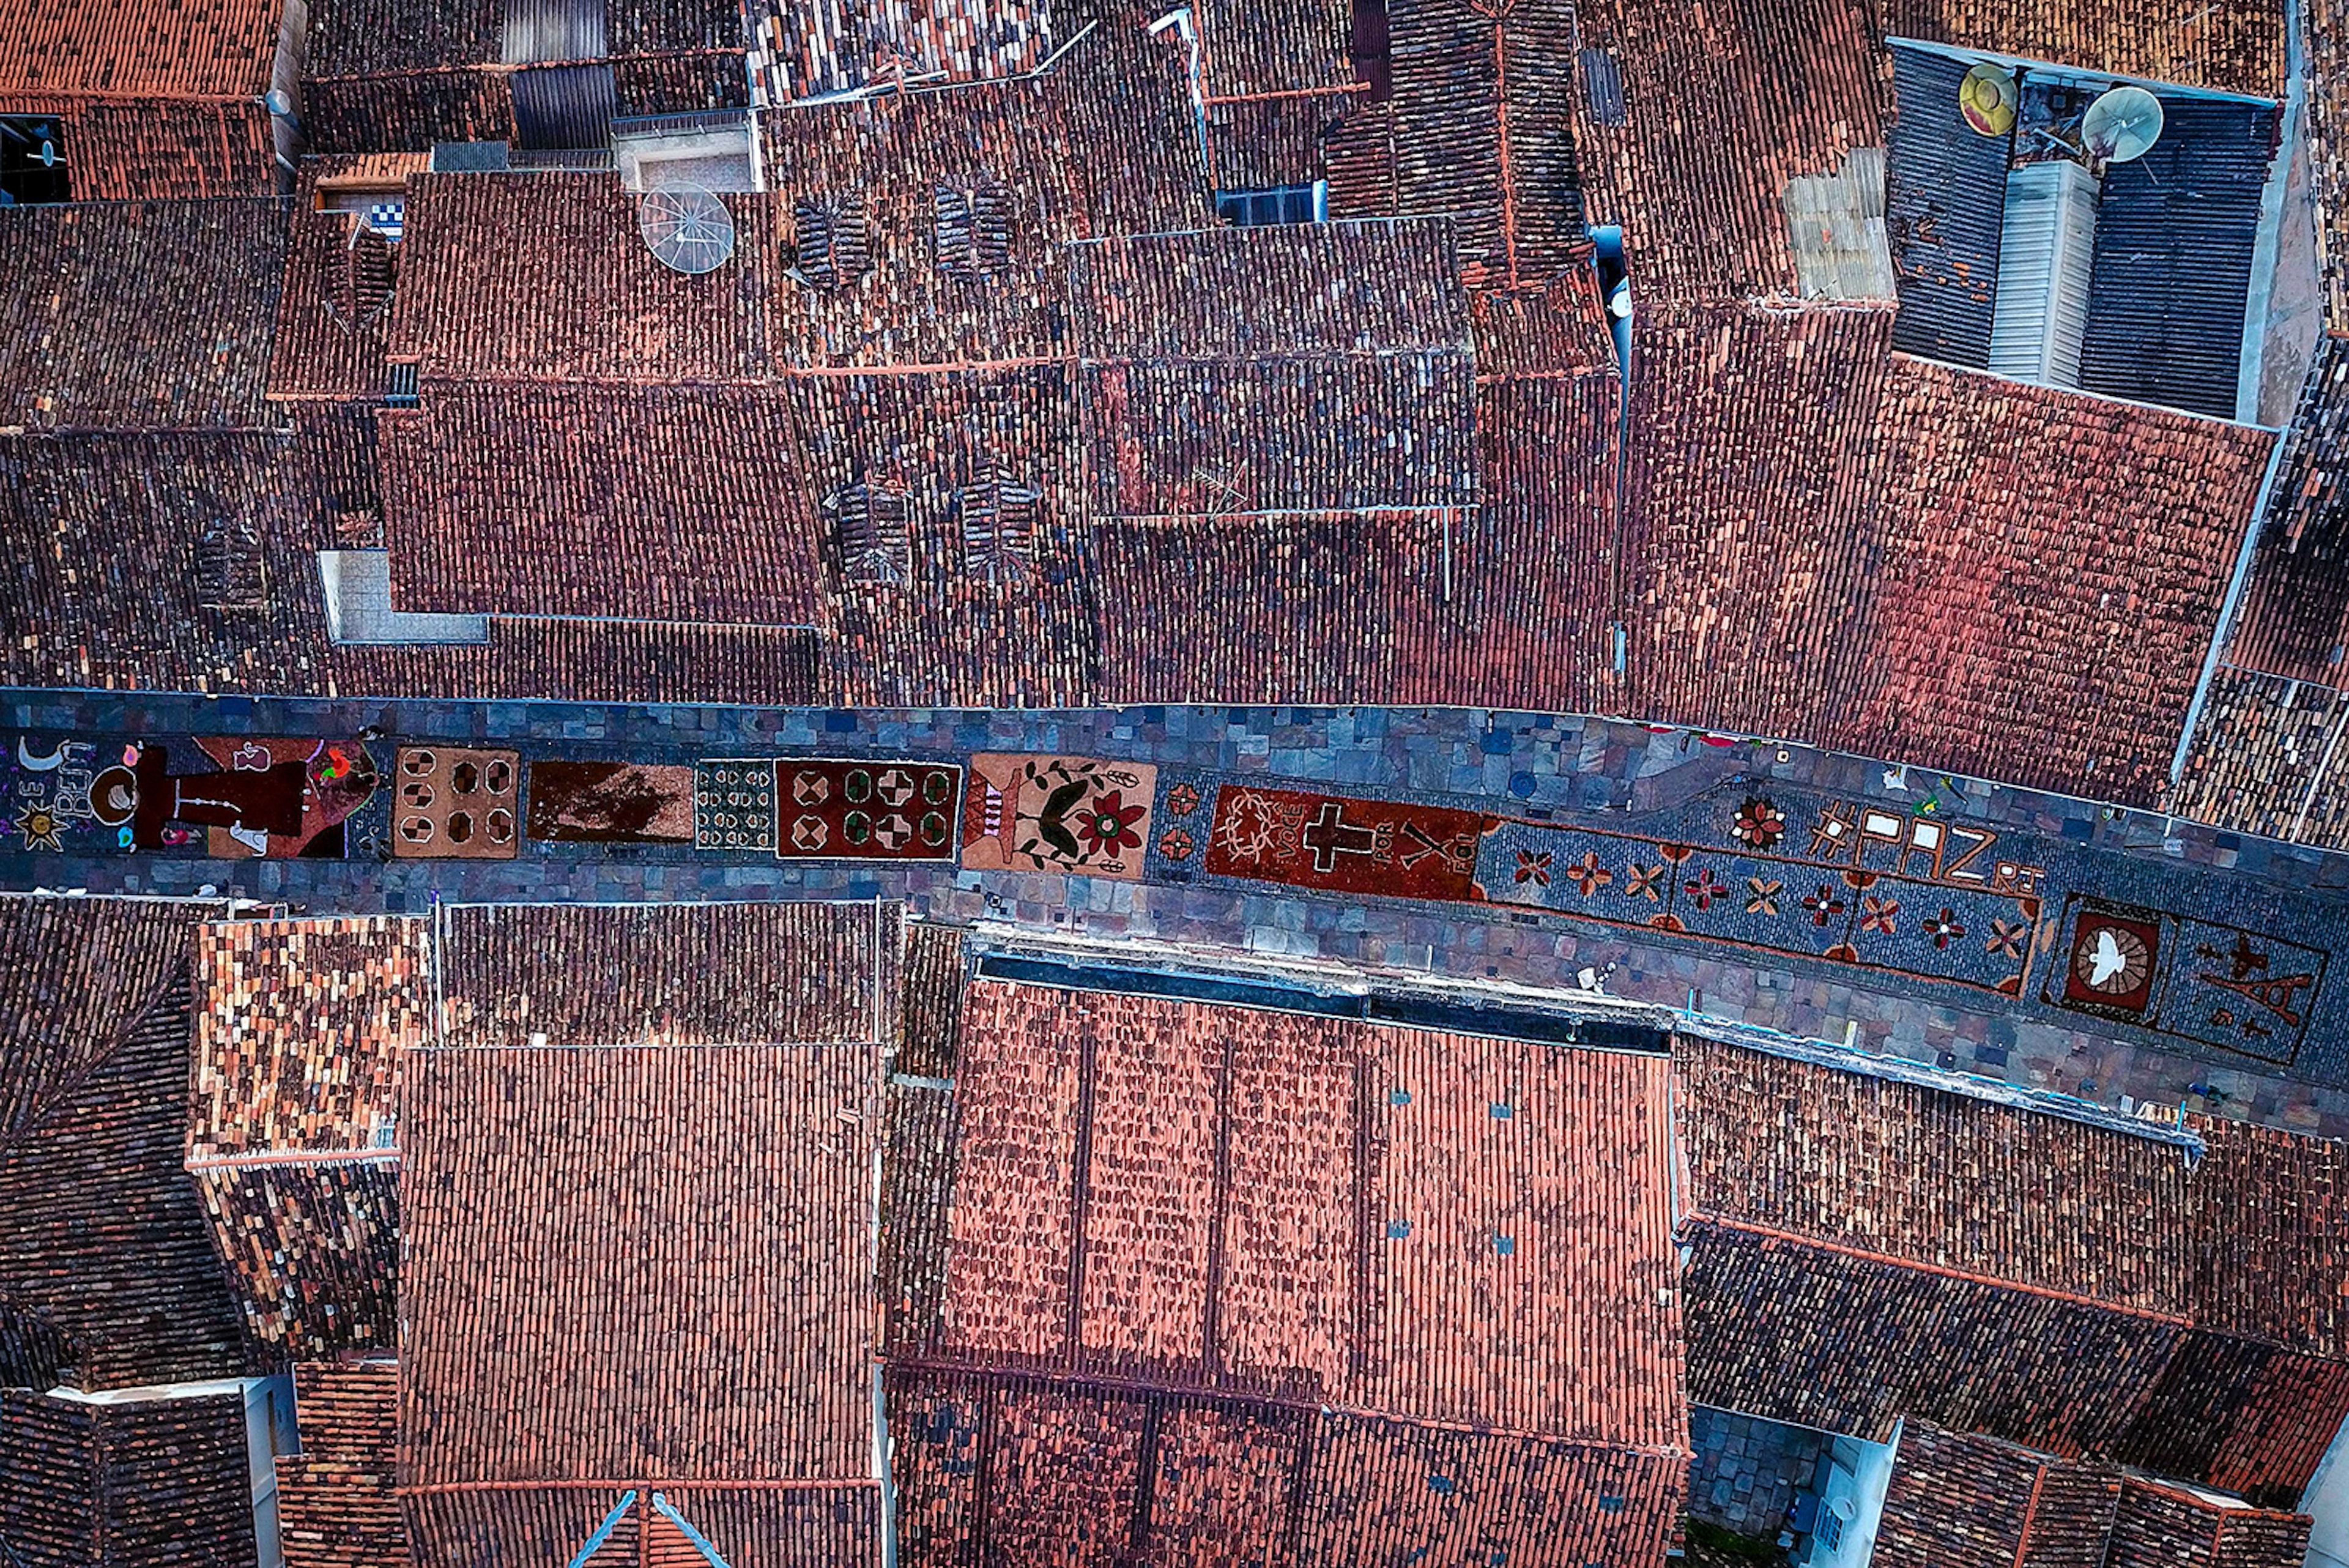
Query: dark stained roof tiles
{"points": [[549, 974], [407, 112], [2159, 1525], [645, 1263], [169, 149], [119, 48], [665, 504], [139, 316], [311, 1250], [329, 338], [1282, 435], [1933, 1177], [304, 1019], [1281, 289], [2236, 45], [335, 1503], [76, 976], [1959, 1502], [1823, 1338], [1300, 607], [157, 1481], [1250, 47]]}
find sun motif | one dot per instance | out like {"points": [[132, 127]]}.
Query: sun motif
{"points": [[41, 828]]}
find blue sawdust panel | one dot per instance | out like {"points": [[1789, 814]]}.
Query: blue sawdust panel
{"points": [[2173, 260]]}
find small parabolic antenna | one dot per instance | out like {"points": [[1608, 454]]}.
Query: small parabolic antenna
{"points": [[1987, 98], [687, 228], [2121, 125]]}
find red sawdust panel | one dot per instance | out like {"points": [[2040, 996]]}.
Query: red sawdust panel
{"points": [[1150, 1188], [1523, 1239], [1010, 1231], [1289, 1281]]}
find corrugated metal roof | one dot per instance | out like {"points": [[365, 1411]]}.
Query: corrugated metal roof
{"points": [[2175, 231], [1945, 199]]}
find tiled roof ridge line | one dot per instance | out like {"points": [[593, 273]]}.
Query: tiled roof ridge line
{"points": [[1970, 56], [1363, 514], [1802, 305], [2066, 394], [2030, 1513], [1835, 1057], [364, 1156], [1286, 355], [1863, 1255], [1064, 1378], [510, 68], [1360, 221], [826, 1484], [651, 1043], [2240, 667], [776, 377]]}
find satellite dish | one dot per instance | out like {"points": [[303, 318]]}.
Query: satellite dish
{"points": [[2121, 125], [1987, 98], [687, 228]]}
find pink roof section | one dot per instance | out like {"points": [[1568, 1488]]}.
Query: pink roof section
{"points": [[1443, 1226]]}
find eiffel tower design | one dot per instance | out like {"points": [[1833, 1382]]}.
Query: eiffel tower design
{"points": [[2280, 995]]}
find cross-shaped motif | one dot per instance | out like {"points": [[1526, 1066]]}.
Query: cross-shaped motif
{"points": [[1329, 835]]}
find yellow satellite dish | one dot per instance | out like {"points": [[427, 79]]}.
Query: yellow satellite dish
{"points": [[1987, 98]]}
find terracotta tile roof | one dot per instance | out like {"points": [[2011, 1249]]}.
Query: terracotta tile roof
{"points": [[160, 1481], [1721, 108], [1165, 440], [2252, 1241], [2235, 46], [1957, 1502], [1852, 1234], [329, 338], [1262, 144], [700, 1170], [555, 974], [407, 112], [1925, 1175], [303, 1022], [118, 49], [1311, 607], [1250, 293], [1285, 47], [1481, 131], [335, 1503], [2162, 1526], [1012, 1467], [142, 315], [1826, 542], [547, 277], [107, 1276], [2259, 761], [798, 52], [1342, 1288], [577, 501], [766, 1524], [1798, 1333], [160, 149]]}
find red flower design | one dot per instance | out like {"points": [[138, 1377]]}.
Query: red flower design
{"points": [[1876, 914], [2006, 938], [1759, 822], [1586, 873], [1823, 905], [1176, 845], [1943, 928], [1704, 888], [1182, 800], [1534, 868], [1107, 823], [1639, 882]]}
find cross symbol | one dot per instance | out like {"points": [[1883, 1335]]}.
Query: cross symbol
{"points": [[1328, 836]]}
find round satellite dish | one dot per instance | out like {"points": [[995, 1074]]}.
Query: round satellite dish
{"points": [[687, 228], [2121, 124], [1987, 98]]}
